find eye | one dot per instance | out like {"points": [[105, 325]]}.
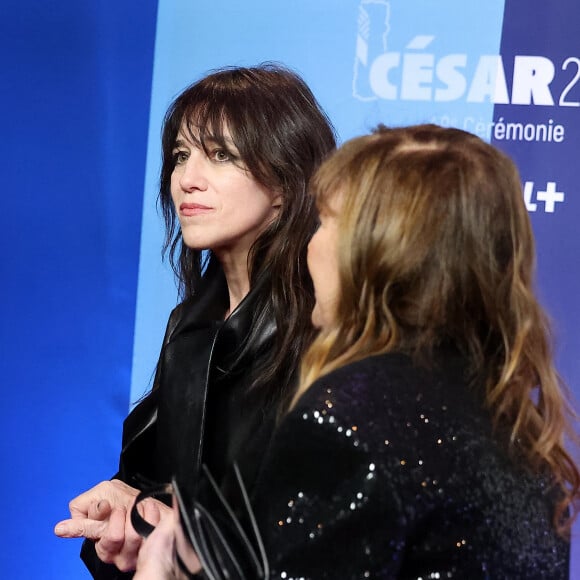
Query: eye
{"points": [[180, 156], [220, 155]]}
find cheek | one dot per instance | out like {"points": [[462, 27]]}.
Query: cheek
{"points": [[321, 263], [311, 258]]}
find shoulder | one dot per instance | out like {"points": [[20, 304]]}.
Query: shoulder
{"points": [[356, 408], [368, 373], [390, 386], [393, 409]]}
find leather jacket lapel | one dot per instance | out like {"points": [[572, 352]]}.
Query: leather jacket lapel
{"points": [[245, 332], [189, 317]]}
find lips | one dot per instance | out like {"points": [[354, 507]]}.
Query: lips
{"points": [[191, 209]]}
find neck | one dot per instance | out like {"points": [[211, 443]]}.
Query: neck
{"points": [[236, 272]]}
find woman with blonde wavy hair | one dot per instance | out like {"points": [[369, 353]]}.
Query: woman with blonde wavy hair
{"points": [[427, 437]]}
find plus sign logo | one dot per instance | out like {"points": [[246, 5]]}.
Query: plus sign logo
{"points": [[549, 195]]}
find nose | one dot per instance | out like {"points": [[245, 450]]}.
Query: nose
{"points": [[193, 175]]}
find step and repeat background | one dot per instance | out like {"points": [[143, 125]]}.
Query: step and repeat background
{"points": [[84, 87]]}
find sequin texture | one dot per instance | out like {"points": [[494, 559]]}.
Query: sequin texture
{"points": [[385, 470]]}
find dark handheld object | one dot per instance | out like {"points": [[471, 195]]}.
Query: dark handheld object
{"points": [[217, 536]]}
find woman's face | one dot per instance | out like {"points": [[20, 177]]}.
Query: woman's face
{"points": [[323, 267], [220, 205]]}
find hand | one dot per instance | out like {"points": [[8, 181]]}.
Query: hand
{"points": [[102, 514], [157, 554]]}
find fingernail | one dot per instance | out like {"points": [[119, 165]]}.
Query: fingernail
{"points": [[60, 529]]}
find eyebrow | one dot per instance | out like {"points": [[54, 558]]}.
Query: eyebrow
{"points": [[179, 143], [210, 139], [228, 141]]}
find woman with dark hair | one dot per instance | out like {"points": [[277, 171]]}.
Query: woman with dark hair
{"points": [[239, 148], [426, 438]]}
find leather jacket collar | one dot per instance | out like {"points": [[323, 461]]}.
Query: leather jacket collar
{"points": [[245, 332]]}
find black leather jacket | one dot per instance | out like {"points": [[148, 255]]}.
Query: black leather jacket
{"points": [[200, 408]]}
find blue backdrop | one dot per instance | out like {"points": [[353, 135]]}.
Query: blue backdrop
{"points": [[84, 88]]}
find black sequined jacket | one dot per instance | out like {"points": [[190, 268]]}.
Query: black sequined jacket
{"points": [[199, 408], [386, 470]]}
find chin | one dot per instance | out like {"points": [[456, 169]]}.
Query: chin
{"points": [[193, 243]]}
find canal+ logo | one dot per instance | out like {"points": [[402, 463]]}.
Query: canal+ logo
{"points": [[418, 74]]}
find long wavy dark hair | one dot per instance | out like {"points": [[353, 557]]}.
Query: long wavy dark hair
{"points": [[282, 136], [437, 247]]}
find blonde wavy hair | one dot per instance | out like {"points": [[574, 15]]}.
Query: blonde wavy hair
{"points": [[436, 247]]}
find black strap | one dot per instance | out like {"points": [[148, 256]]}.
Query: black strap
{"points": [[224, 549]]}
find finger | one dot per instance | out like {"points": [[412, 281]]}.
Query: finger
{"points": [[151, 511], [79, 506], [100, 510], [80, 528], [116, 492], [127, 557], [155, 560], [113, 537]]}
